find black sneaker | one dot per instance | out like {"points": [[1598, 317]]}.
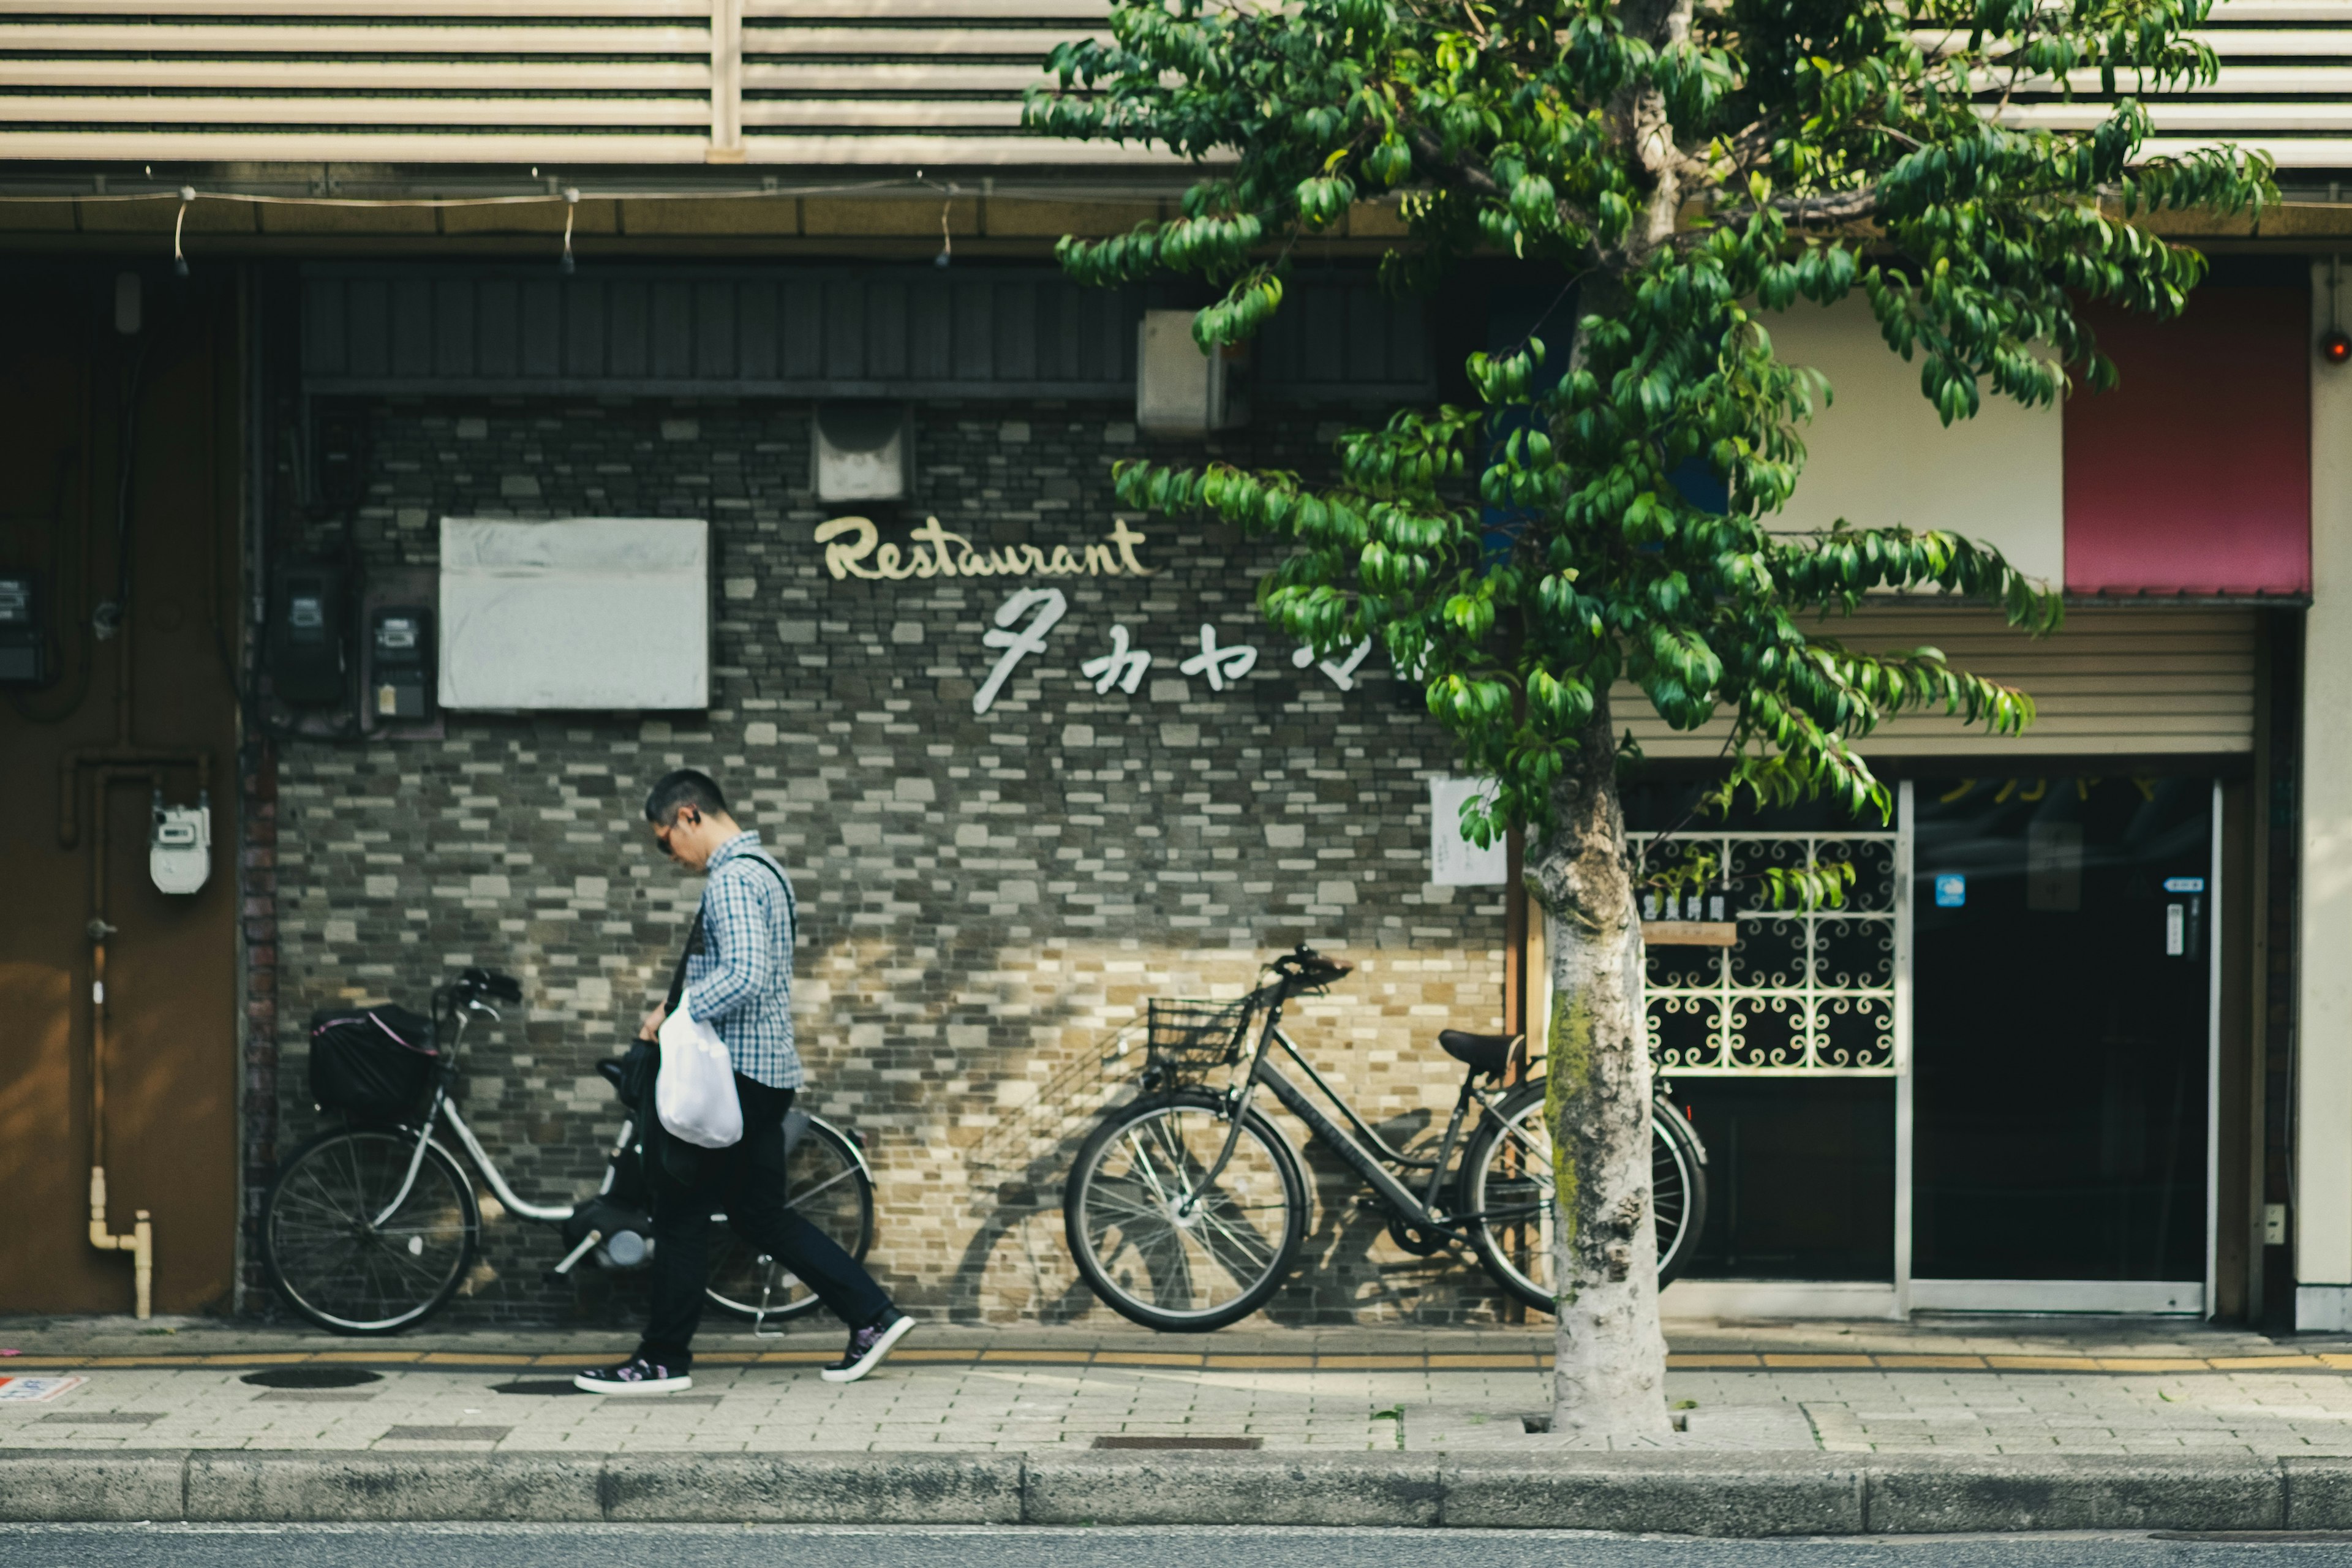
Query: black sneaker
{"points": [[867, 1346], [635, 1375]]}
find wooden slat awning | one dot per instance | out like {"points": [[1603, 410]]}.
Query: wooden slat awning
{"points": [[806, 83]]}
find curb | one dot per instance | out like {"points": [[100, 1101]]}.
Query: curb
{"points": [[1721, 1494]]}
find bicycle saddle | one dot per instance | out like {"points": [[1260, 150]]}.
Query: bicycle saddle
{"points": [[610, 1069], [1488, 1054]]}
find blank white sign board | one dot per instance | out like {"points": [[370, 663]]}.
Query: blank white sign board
{"points": [[587, 613], [1454, 860]]}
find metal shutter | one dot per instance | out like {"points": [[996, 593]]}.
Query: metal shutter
{"points": [[2125, 680]]}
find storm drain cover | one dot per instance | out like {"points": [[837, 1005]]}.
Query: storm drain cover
{"points": [[1180, 1442], [310, 1377]]}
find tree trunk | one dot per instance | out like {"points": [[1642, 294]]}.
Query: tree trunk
{"points": [[1609, 1381]]}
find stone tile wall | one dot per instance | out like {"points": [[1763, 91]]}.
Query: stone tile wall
{"points": [[987, 900]]}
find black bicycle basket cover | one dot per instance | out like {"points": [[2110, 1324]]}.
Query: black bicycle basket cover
{"points": [[373, 1063]]}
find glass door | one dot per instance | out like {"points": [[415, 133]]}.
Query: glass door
{"points": [[2061, 1032]]}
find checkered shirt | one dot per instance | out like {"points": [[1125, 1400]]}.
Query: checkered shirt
{"points": [[742, 979]]}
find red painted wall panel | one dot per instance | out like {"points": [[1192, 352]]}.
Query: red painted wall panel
{"points": [[2194, 475]]}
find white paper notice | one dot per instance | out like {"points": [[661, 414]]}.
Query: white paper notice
{"points": [[1454, 860]]}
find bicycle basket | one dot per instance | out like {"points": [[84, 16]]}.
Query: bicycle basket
{"points": [[374, 1064], [1189, 1038]]}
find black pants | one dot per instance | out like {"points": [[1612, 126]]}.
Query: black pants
{"points": [[746, 1180]]}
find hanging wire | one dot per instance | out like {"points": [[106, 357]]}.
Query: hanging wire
{"points": [[180, 222], [571, 211]]}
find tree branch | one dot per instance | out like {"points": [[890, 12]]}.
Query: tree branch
{"points": [[1429, 155]]}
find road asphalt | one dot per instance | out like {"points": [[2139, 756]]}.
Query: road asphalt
{"points": [[691, 1546]]}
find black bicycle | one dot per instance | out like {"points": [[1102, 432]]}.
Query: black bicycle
{"points": [[372, 1227], [1186, 1207]]}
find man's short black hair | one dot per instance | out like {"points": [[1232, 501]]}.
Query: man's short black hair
{"points": [[679, 790]]}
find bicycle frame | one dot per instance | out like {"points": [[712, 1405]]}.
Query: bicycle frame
{"points": [[1356, 1150], [545, 1213]]}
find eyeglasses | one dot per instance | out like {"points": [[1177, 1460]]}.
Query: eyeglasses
{"points": [[663, 831]]}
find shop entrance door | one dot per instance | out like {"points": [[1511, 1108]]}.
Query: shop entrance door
{"points": [[2062, 988], [1786, 1050]]}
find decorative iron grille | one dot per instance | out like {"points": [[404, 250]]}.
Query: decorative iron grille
{"points": [[1799, 992]]}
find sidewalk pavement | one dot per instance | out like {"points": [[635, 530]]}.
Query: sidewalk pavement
{"points": [[2022, 1404]]}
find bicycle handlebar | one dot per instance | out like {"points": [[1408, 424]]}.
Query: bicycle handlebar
{"points": [[1304, 969], [488, 983]]}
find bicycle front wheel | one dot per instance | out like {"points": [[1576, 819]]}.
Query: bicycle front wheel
{"points": [[340, 1259], [1161, 1246], [826, 1185]]}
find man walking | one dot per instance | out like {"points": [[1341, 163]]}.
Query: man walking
{"points": [[737, 977]]}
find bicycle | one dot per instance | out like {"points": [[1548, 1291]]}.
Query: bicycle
{"points": [[369, 1228], [1186, 1206]]}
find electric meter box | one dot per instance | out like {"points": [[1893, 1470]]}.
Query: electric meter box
{"points": [[309, 661], [401, 669], [24, 636]]}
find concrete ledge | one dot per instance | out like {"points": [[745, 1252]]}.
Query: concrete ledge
{"points": [[327, 1486], [1680, 1494], [813, 1488], [1288, 1488], [1932, 1493], [2318, 1493], [62, 1485], [1683, 1493]]}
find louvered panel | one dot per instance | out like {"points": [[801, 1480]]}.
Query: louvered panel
{"points": [[2285, 82], [930, 77], [848, 113], [947, 151], [821, 82], [1029, 11], [341, 116], [803, 41], [2249, 84], [2272, 43], [2239, 120], [369, 11], [358, 38], [2115, 682], [361, 147], [318, 75]]}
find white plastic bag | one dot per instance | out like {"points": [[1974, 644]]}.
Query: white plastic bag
{"points": [[694, 1094]]}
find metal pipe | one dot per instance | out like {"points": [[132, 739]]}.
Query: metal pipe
{"points": [[140, 1241]]}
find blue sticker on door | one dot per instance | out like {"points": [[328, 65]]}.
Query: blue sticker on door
{"points": [[1951, 891]]}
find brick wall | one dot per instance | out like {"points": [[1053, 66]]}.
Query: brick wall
{"points": [[986, 900]]}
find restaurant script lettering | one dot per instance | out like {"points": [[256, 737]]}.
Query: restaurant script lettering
{"points": [[854, 547], [1022, 626]]}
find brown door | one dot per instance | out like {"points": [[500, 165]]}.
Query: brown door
{"points": [[82, 752]]}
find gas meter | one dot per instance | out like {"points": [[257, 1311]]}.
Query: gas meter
{"points": [[180, 845]]}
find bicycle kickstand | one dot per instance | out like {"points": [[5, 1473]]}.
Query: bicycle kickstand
{"points": [[760, 1313]]}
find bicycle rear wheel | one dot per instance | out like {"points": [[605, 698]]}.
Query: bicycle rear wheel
{"points": [[339, 1260], [1508, 1176], [827, 1185], [1159, 1248], [1678, 1190]]}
